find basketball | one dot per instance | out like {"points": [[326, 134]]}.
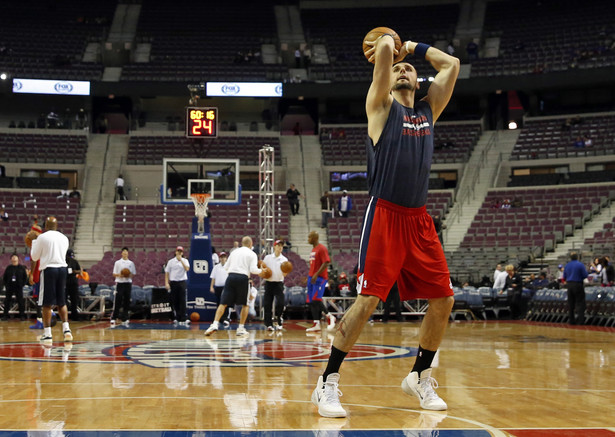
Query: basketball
{"points": [[125, 272], [374, 34], [195, 317], [266, 274], [286, 267], [31, 235], [84, 275]]}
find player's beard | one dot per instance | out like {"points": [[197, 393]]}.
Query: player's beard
{"points": [[403, 86]]}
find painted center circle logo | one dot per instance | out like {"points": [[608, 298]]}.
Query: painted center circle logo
{"points": [[198, 352]]}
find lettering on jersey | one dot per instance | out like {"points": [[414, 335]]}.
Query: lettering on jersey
{"points": [[415, 126]]}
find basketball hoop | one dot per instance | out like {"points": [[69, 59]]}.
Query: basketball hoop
{"points": [[200, 201]]}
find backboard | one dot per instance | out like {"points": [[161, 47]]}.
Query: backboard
{"points": [[183, 176]]}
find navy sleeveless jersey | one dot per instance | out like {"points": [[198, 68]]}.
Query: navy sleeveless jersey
{"points": [[398, 165]]}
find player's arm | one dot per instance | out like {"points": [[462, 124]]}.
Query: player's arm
{"points": [[441, 88], [166, 281], [323, 267], [379, 99], [35, 251], [254, 265], [31, 272], [116, 270], [212, 278]]}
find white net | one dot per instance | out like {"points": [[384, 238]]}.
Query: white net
{"points": [[200, 208]]}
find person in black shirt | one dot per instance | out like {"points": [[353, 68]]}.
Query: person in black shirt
{"points": [[15, 277], [514, 284], [72, 284], [293, 199]]}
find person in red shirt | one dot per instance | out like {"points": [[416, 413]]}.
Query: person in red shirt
{"points": [[343, 286], [34, 275], [317, 281]]}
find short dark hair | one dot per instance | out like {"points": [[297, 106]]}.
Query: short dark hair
{"points": [[574, 256], [124, 248]]}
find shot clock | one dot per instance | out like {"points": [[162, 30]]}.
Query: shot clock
{"points": [[201, 122]]}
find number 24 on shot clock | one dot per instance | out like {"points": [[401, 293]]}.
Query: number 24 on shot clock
{"points": [[201, 122]]}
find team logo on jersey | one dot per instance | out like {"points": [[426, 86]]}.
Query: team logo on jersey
{"points": [[415, 126], [198, 352]]}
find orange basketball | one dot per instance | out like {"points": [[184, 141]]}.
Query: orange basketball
{"points": [[125, 272], [266, 274], [31, 235], [84, 275], [195, 317], [374, 34], [286, 267]]}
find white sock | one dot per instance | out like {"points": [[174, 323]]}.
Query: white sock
{"points": [[48, 332], [240, 326], [215, 324], [65, 327], [316, 322], [39, 319]]}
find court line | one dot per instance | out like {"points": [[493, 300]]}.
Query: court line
{"points": [[263, 384], [494, 431]]}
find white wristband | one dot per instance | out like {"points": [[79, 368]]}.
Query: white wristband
{"points": [[407, 48]]}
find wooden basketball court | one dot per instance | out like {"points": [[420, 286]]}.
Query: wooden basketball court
{"points": [[498, 378]]}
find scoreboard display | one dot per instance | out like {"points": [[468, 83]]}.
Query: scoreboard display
{"points": [[201, 122]]}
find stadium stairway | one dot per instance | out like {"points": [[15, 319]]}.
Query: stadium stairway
{"points": [[95, 225], [492, 148], [305, 172], [575, 242]]}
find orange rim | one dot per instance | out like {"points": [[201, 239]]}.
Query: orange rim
{"points": [[200, 197]]}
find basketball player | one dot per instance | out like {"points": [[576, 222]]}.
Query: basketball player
{"points": [[34, 274], [398, 240], [274, 286], [218, 279], [123, 288], [317, 282], [175, 278], [50, 248], [241, 263]]}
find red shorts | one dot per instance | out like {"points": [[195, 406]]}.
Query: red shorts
{"points": [[401, 244]]}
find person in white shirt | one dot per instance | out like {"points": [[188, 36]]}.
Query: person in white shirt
{"points": [[123, 285], [215, 258], [274, 286], [251, 302], [50, 249], [241, 263], [496, 273], [218, 279], [119, 187], [175, 278], [500, 281], [344, 204]]}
